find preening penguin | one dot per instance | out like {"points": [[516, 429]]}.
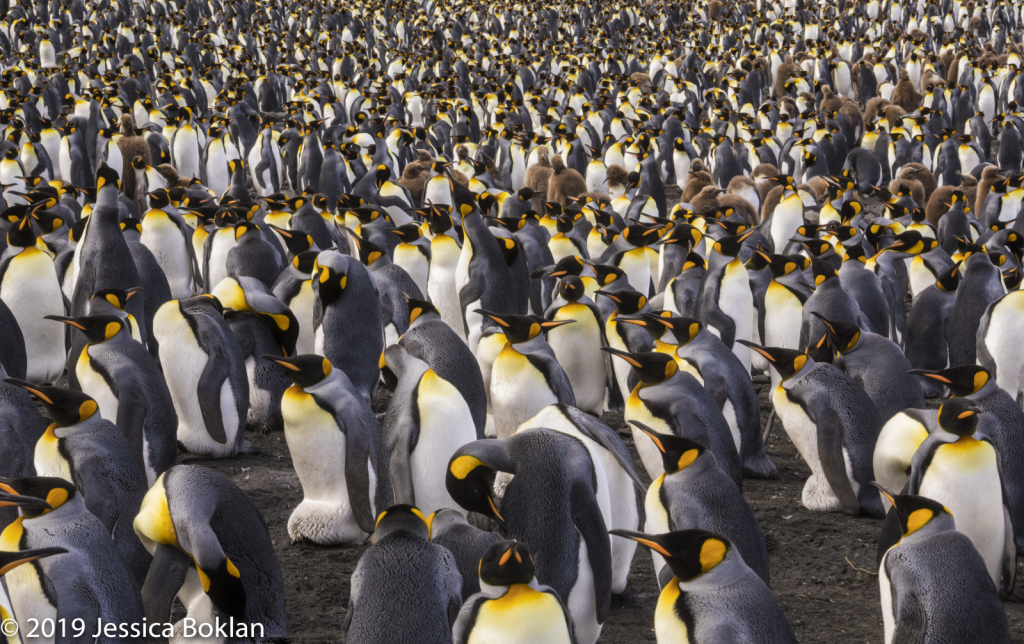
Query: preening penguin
{"points": [[552, 485], [333, 437], [211, 550]]}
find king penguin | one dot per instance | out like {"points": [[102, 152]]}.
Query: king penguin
{"points": [[712, 594], [511, 606], [426, 422], [125, 381], [211, 550], [83, 447], [933, 583], [449, 528], [552, 484], [727, 303], [90, 581], [694, 493], [403, 557], [577, 347], [333, 437], [834, 425], [205, 374]]}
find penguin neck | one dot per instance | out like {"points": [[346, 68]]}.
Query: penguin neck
{"points": [[496, 592], [793, 380], [939, 524], [728, 572]]}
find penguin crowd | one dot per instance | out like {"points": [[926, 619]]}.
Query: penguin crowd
{"points": [[447, 249]]}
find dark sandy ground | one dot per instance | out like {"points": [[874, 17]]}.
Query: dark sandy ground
{"points": [[823, 569]]}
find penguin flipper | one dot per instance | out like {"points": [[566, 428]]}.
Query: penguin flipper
{"points": [[257, 174], [463, 626], [586, 515], [211, 381], [911, 619], [357, 473], [132, 410], [1008, 562], [166, 576], [725, 325], [93, 475], [830, 453]]}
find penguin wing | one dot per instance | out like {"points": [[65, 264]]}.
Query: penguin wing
{"points": [[165, 578], [358, 436], [908, 610], [725, 325], [607, 438], [555, 375], [93, 475], [132, 410], [830, 453], [211, 381], [587, 517], [1008, 562], [463, 626]]}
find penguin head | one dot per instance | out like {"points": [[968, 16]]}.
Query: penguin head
{"points": [[641, 234], [522, 328], [159, 199], [915, 512], [506, 563], [683, 329], [959, 416], [961, 381], [688, 553], [822, 271], [97, 328], [409, 233], [779, 265], [682, 234], [844, 336], [115, 297], [949, 279], [296, 241], [469, 481], [730, 246], [36, 495], [651, 368], [568, 265], [627, 301], [787, 362], [107, 177], [401, 518], [304, 370], [677, 452], [913, 242], [66, 407], [11, 560], [131, 225], [21, 234], [571, 288]]}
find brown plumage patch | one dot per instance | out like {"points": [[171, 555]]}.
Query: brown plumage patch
{"points": [[917, 172], [615, 175], [989, 177], [537, 177], [706, 199], [915, 187], [564, 182], [905, 94], [740, 205], [937, 204], [131, 146]]}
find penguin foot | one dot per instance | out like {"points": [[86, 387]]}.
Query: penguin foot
{"points": [[760, 469], [817, 496]]}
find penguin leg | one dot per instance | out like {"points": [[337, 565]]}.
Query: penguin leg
{"points": [[166, 576], [768, 426]]}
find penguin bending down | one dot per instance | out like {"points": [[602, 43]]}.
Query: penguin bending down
{"points": [[834, 425], [88, 450], [206, 375], [712, 595], [934, 584], [404, 588], [427, 421], [618, 484], [211, 550], [89, 581], [552, 485], [694, 492], [125, 381], [512, 607]]}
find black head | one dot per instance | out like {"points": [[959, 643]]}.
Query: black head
{"points": [[568, 265], [65, 407], [522, 328], [788, 362], [97, 328], [506, 563], [627, 301], [688, 553], [571, 288], [116, 297], [652, 367], [683, 328], [732, 245], [304, 370], [962, 381], [822, 271], [959, 416], [469, 481], [21, 234], [677, 452], [107, 177], [844, 336], [49, 493], [418, 308], [914, 512], [404, 518]]}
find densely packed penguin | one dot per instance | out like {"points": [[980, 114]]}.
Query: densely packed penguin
{"points": [[505, 221]]}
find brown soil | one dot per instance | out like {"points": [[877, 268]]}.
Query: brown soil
{"points": [[823, 568]]}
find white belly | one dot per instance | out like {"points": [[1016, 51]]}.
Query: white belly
{"points": [[441, 289], [31, 290], [581, 603], [817, 494], [516, 392], [1003, 341], [736, 301], [167, 244], [446, 424], [578, 349], [222, 244], [302, 308]]}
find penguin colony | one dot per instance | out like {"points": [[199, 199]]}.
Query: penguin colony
{"points": [[223, 218]]}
